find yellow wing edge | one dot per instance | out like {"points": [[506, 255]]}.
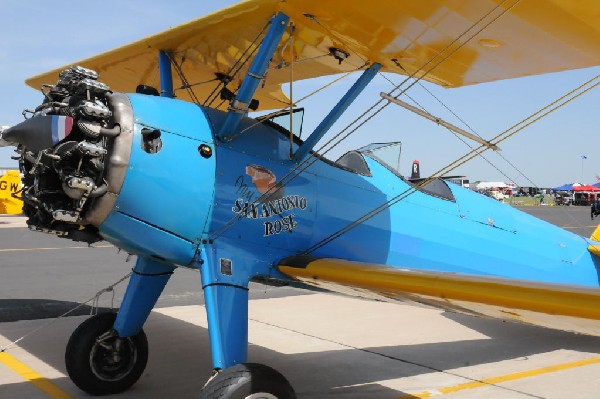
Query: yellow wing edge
{"points": [[553, 299], [595, 248], [533, 37]]}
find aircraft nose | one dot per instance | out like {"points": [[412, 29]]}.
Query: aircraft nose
{"points": [[39, 132], [170, 181], [171, 189], [134, 169]]}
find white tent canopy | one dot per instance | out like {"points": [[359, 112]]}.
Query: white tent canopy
{"points": [[483, 185]]}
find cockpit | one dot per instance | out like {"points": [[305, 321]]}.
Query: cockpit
{"points": [[387, 154]]}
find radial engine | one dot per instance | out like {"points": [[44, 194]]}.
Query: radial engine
{"points": [[69, 155]]}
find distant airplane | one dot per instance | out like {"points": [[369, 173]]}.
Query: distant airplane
{"points": [[10, 189]]}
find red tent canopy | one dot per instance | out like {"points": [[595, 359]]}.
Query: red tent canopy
{"points": [[587, 188]]}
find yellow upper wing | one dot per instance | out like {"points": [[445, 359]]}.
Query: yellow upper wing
{"points": [[532, 37]]}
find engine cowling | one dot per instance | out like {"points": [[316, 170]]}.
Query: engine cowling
{"points": [[74, 151]]}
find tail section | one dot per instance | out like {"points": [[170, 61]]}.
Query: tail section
{"points": [[416, 171], [10, 189]]}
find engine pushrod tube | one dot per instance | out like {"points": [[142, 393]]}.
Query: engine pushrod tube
{"points": [[439, 121]]}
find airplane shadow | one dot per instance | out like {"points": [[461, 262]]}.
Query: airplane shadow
{"points": [[180, 361], [35, 309]]}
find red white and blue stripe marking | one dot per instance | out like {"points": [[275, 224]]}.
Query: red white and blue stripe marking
{"points": [[61, 127]]}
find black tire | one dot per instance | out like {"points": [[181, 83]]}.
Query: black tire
{"points": [[92, 366], [248, 380]]}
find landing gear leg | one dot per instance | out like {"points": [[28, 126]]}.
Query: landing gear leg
{"points": [[108, 352], [225, 287]]}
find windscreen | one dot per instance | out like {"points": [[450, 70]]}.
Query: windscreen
{"points": [[282, 118], [386, 153]]}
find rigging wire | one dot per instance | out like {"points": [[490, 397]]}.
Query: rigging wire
{"points": [[215, 93], [183, 78], [183, 87], [477, 134], [231, 222], [94, 300], [449, 45], [506, 134], [456, 135], [419, 78], [274, 113], [314, 156], [266, 117]]}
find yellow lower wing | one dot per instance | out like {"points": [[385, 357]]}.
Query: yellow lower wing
{"points": [[449, 290]]}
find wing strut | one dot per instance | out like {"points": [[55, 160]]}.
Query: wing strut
{"points": [[239, 105], [337, 111], [440, 121], [166, 77]]}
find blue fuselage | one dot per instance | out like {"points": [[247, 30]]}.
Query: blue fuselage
{"points": [[176, 201]]}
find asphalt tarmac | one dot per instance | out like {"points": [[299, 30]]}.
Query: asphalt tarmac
{"points": [[327, 345], [58, 274]]}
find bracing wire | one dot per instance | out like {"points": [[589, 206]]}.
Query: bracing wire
{"points": [[477, 134], [269, 115], [93, 300], [456, 135], [506, 134], [231, 222], [336, 140], [311, 159], [184, 87], [449, 45], [238, 64], [422, 76], [183, 79]]}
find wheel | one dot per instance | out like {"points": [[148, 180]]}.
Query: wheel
{"points": [[248, 381], [101, 363]]}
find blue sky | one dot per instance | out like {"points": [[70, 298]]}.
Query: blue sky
{"points": [[38, 36]]}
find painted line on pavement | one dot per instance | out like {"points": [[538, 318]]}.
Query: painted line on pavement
{"points": [[492, 381], [52, 248], [33, 377]]}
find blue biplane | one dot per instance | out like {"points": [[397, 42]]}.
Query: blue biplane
{"points": [[254, 201]]}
